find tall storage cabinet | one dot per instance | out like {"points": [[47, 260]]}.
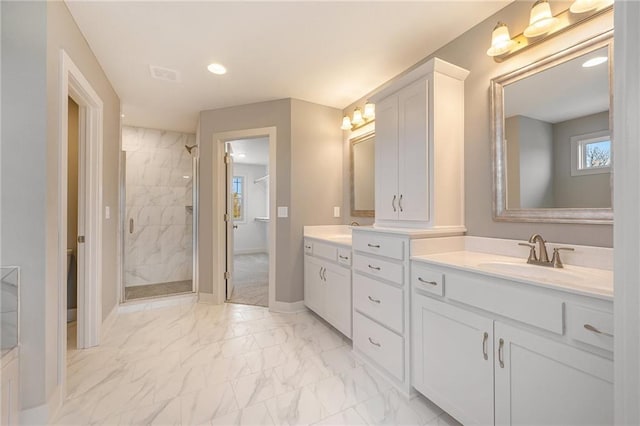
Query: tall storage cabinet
{"points": [[420, 149]]}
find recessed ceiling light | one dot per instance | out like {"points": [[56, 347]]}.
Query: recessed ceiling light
{"points": [[238, 155], [595, 61], [186, 177], [217, 69]]}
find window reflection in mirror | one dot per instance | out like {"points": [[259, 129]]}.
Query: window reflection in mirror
{"points": [[362, 175]]}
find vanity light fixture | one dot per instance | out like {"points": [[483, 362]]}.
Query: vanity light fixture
{"points": [[595, 61], [501, 41], [359, 118], [544, 25], [541, 20], [582, 6], [217, 69]]}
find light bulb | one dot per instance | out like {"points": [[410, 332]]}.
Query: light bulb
{"points": [[501, 41], [357, 117], [369, 111], [541, 21], [346, 123]]}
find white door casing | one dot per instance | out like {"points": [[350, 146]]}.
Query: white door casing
{"points": [[229, 220]]}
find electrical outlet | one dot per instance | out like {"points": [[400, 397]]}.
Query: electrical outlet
{"points": [[283, 211]]}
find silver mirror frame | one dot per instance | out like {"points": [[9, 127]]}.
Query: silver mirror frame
{"points": [[548, 215], [352, 142]]}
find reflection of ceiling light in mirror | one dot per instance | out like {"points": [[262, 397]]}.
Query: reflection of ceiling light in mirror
{"points": [[595, 61], [541, 21], [501, 41], [582, 6], [186, 177], [238, 155], [217, 69]]}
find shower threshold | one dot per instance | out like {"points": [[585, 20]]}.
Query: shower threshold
{"points": [[149, 291]]}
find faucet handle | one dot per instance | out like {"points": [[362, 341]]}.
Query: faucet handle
{"points": [[532, 253], [555, 260]]}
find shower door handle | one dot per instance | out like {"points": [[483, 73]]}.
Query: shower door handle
{"points": [[131, 225]]}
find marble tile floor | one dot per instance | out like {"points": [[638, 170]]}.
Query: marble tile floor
{"points": [[230, 365], [157, 290], [251, 279]]}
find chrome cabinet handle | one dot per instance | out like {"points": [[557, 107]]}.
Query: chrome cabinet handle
{"points": [[324, 274], [374, 300], [400, 203], [131, 225], [320, 273], [427, 282], [393, 204], [373, 245], [595, 330], [500, 348], [375, 268], [343, 257], [307, 247], [373, 342], [485, 339]]}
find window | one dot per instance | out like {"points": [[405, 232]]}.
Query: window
{"points": [[591, 154], [237, 192]]}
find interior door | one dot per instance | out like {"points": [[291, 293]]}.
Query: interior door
{"points": [[228, 217], [82, 273]]}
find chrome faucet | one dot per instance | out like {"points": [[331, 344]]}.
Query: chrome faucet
{"points": [[354, 223], [543, 259]]}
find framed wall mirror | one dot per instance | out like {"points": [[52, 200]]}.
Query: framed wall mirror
{"points": [[552, 140], [362, 175]]}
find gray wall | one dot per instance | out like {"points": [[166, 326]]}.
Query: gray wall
{"points": [[308, 180], [578, 191], [469, 51], [536, 163], [32, 34]]}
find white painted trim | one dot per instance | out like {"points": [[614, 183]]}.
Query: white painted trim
{"points": [[73, 83], [287, 308], [208, 298], [626, 237], [219, 140]]}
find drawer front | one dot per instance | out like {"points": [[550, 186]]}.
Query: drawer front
{"points": [[380, 245], [379, 268], [308, 247], [385, 347], [508, 299], [344, 256], [426, 279], [590, 326], [380, 301], [325, 251]]}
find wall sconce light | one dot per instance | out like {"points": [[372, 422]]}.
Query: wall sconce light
{"points": [[543, 23], [359, 118]]}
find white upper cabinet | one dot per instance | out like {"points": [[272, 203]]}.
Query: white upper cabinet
{"points": [[420, 148]]}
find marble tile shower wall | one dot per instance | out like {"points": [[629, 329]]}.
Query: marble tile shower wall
{"points": [[158, 190]]}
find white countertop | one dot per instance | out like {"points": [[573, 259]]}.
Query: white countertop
{"points": [[573, 279], [336, 234]]}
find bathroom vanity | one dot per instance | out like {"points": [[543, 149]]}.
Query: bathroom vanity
{"points": [[498, 341]]}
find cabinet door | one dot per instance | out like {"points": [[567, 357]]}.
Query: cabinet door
{"points": [[314, 287], [543, 382], [413, 148], [453, 359], [338, 309], [386, 164]]}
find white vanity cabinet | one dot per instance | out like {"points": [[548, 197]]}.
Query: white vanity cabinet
{"points": [[327, 283], [479, 351], [419, 148]]}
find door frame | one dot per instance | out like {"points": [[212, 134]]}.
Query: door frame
{"points": [[73, 84], [219, 193]]}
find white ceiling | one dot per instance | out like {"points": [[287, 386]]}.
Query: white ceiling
{"points": [[251, 151], [331, 53], [561, 93]]}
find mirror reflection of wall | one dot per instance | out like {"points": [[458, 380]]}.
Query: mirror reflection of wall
{"points": [[557, 138], [362, 175]]}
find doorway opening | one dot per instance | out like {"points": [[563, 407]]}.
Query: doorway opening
{"points": [[73, 129], [159, 182], [247, 216]]}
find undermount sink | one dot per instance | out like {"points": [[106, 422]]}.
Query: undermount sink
{"points": [[527, 270]]}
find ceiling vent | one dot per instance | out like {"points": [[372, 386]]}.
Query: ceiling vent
{"points": [[166, 74]]}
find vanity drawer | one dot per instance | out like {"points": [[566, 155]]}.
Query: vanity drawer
{"points": [[508, 299], [325, 251], [380, 301], [379, 244], [344, 256], [427, 279], [308, 247], [381, 345], [377, 267], [590, 326]]}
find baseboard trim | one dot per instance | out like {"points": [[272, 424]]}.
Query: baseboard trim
{"points": [[43, 414], [207, 298], [287, 308]]}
